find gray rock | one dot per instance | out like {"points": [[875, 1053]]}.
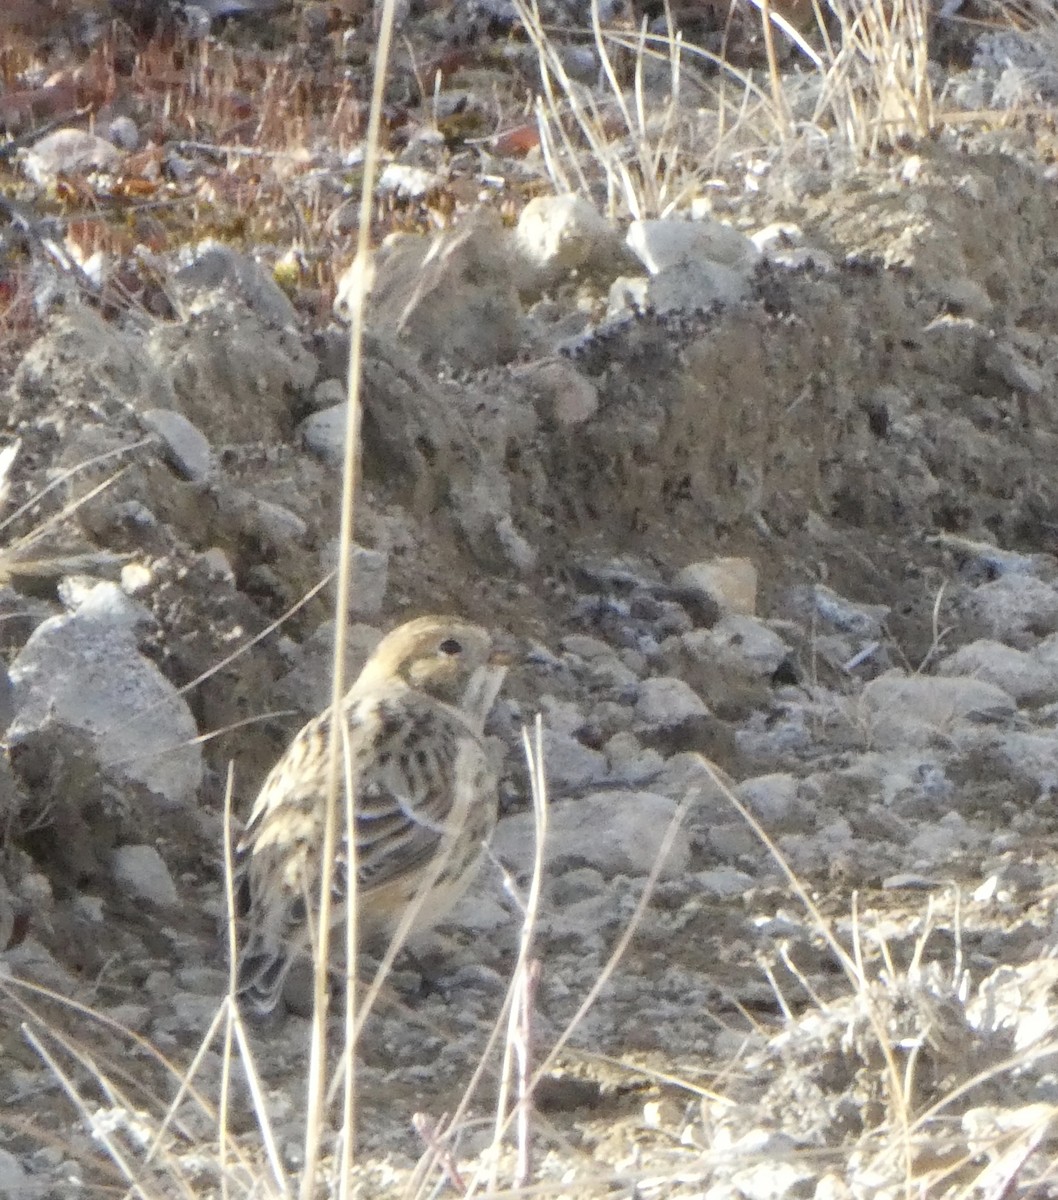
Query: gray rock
{"points": [[821, 604], [586, 647], [672, 242], [323, 434], [15, 1184], [724, 881], [630, 761], [559, 391], [940, 843], [187, 447], [569, 764], [688, 287], [1014, 369], [205, 981], [1017, 672], [275, 524], [369, 578], [85, 670], [329, 393], [217, 274], [770, 798], [580, 883], [1016, 608], [1024, 755], [741, 644], [611, 674], [133, 1016], [452, 298], [911, 710], [124, 133], [307, 687], [992, 561], [142, 873], [615, 832], [561, 716], [78, 351], [665, 702]]}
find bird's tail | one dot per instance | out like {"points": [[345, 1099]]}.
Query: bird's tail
{"points": [[262, 971], [266, 953]]}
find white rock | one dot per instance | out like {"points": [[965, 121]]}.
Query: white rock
{"points": [[1018, 999], [519, 551], [730, 582], [69, 152], [665, 702], [671, 242], [617, 833], [188, 447], [142, 872], [778, 233], [782, 244], [403, 180], [724, 881], [85, 670], [560, 234]]}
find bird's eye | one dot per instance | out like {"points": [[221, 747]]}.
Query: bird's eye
{"points": [[451, 647]]}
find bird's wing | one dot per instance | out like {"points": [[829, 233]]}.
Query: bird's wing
{"points": [[402, 753], [407, 784]]}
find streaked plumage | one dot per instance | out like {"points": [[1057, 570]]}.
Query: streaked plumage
{"points": [[422, 787]]}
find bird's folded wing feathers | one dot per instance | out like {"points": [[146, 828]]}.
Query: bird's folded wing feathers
{"points": [[404, 773], [404, 798]]}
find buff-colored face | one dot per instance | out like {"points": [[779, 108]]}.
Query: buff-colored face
{"points": [[436, 655]]}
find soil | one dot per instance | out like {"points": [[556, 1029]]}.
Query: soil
{"points": [[882, 423]]}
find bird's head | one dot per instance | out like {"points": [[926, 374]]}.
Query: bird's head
{"points": [[444, 657]]}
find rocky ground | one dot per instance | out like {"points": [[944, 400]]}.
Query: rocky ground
{"points": [[772, 489]]}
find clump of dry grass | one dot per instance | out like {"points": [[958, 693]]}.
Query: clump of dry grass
{"points": [[858, 80]]}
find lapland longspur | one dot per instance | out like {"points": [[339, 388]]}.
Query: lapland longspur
{"points": [[422, 787]]}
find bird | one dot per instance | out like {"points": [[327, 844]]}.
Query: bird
{"points": [[424, 802]]}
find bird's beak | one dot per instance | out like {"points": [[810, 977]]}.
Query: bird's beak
{"points": [[482, 690]]}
